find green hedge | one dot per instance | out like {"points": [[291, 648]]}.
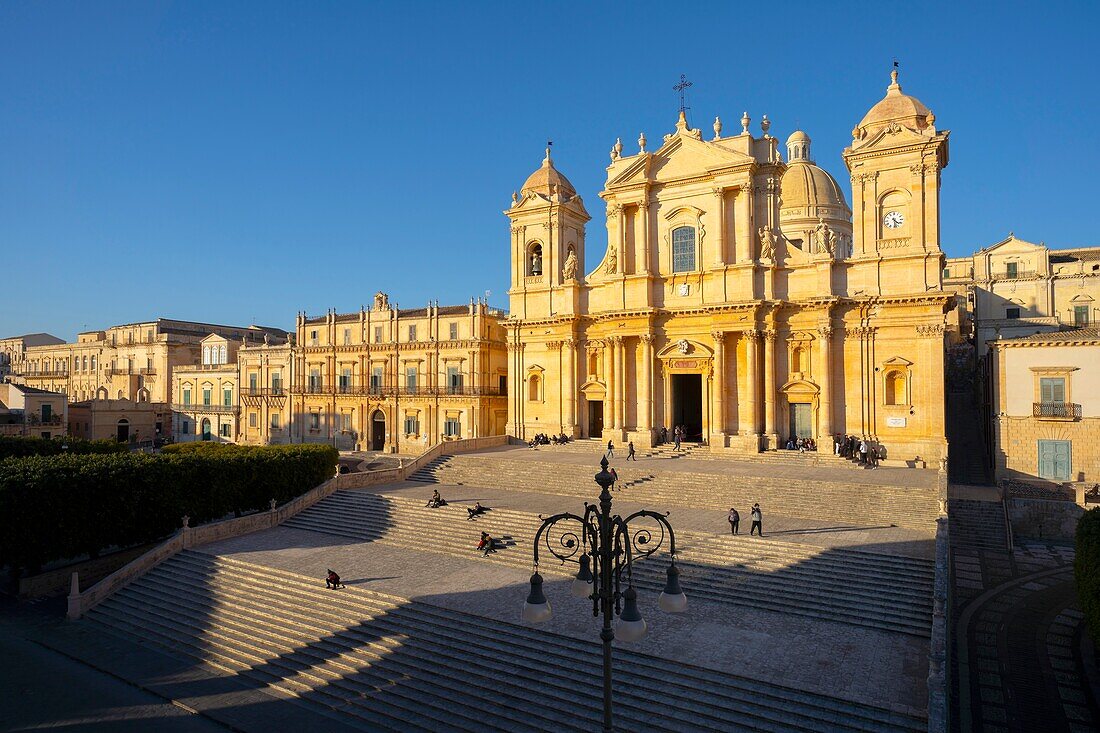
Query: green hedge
{"points": [[63, 506], [1086, 569], [20, 446]]}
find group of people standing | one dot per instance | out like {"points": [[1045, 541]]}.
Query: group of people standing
{"points": [[755, 514], [679, 434], [866, 453]]}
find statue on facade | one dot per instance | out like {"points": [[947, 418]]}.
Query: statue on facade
{"points": [[824, 237], [612, 260], [767, 242], [569, 270], [683, 346]]}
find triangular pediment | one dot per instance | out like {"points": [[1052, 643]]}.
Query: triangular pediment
{"points": [[1012, 244], [897, 361], [890, 137], [681, 156]]}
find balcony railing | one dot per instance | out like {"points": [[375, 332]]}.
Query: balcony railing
{"points": [[192, 407], [48, 374], [120, 371], [1018, 275], [1056, 410], [389, 390], [263, 392], [149, 371]]}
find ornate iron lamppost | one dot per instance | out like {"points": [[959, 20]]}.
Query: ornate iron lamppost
{"points": [[607, 547]]}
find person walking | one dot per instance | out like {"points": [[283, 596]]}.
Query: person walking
{"points": [[863, 452], [757, 519], [610, 449], [676, 436], [734, 519], [630, 452], [614, 479]]}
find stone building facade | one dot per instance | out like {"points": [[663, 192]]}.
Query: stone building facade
{"points": [[1017, 288], [13, 350], [29, 411], [399, 380], [736, 294], [1046, 406]]}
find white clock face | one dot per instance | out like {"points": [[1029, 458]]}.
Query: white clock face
{"points": [[894, 219]]}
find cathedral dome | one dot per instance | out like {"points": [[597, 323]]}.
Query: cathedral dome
{"points": [[548, 181], [896, 107], [805, 185]]}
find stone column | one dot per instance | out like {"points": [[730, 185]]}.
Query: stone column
{"points": [[569, 384], [745, 234], [643, 214], [826, 383], [769, 383], [720, 230], [718, 427], [609, 377], [620, 383], [752, 381], [621, 263], [645, 405]]}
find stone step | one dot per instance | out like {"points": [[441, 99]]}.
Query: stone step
{"points": [[396, 664], [811, 591], [847, 502], [978, 524]]}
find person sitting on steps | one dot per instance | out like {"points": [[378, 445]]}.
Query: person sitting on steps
{"points": [[332, 580], [474, 510], [436, 501], [487, 544]]}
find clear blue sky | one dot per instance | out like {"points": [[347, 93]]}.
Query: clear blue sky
{"points": [[237, 162]]}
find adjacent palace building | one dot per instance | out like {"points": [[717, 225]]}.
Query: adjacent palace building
{"points": [[737, 295]]}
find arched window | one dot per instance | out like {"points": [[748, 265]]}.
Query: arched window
{"points": [[221, 355], [534, 259], [534, 384], [683, 249], [895, 387], [93, 363], [205, 354]]}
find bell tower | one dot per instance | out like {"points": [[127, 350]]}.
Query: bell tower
{"points": [[547, 227], [895, 161]]}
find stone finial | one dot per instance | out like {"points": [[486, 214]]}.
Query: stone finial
{"points": [[641, 142], [515, 198], [745, 120], [765, 125], [717, 128], [618, 147]]}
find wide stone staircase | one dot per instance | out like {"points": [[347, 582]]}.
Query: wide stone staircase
{"points": [[864, 589], [978, 524], [390, 664], [848, 502], [698, 451]]}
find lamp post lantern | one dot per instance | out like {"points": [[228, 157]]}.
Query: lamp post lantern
{"points": [[607, 548]]}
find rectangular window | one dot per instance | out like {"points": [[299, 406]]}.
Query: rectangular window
{"points": [[504, 384], [454, 332], [377, 334], [314, 421], [452, 428], [277, 383], [410, 378], [347, 336], [1012, 268], [314, 379], [225, 430], [186, 427], [683, 249], [227, 397], [187, 397], [206, 396], [412, 333], [454, 380], [253, 382], [345, 381], [252, 419], [1080, 315], [1012, 313], [1052, 390], [946, 273], [376, 380], [412, 425], [345, 422], [274, 421], [1055, 459], [312, 338]]}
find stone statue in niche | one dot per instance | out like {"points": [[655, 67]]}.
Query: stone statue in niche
{"points": [[569, 270], [612, 260], [767, 242]]}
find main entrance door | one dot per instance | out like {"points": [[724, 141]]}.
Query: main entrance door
{"points": [[687, 404], [595, 419], [378, 430], [801, 414]]}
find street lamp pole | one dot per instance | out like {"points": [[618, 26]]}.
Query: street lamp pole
{"points": [[606, 547]]}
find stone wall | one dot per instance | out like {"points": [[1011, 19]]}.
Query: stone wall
{"points": [[1016, 451], [1042, 519]]}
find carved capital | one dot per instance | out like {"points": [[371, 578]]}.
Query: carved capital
{"points": [[754, 335], [718, 336], [826, 332], [517, 230], [718, 191], [770, 334], [648, 339]]}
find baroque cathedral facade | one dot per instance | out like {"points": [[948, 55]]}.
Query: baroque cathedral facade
{"points": [[738, 293]]}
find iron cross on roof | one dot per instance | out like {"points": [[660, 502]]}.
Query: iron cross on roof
{"points": [[684, 84]]}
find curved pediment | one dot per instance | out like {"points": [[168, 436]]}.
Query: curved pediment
{"points": [[594, 390], [685, 348], [800, 386]]}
